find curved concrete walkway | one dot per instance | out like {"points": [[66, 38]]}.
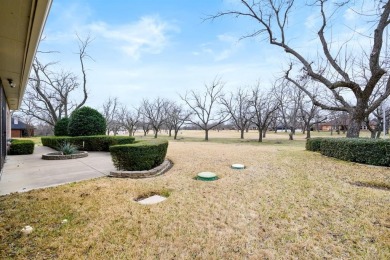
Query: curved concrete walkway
{"points": [[27, 172]]}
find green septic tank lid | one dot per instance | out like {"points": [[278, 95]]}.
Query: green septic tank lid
{"points": [[207, 176], [238, 166]]}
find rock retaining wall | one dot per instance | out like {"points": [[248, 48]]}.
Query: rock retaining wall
{"points": [[162, 168], [59, 156]]}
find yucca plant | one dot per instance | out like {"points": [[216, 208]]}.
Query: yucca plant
{"points": [[67, 148]]}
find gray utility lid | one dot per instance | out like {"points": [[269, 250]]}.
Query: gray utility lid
{"points": [[152, 200]]}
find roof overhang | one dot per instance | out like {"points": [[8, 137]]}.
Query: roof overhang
{"points": [[21, 26]]}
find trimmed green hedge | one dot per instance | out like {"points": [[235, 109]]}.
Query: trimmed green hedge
{"points": [[87, 143], [360, 150], [142, 155], [314, 144], [19, 147]]}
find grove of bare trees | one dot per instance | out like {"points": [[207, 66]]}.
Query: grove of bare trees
{"points": [[347, 76]]}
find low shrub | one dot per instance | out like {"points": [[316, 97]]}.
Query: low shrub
{"points": [[87, 143], [55, 141], [19, 147], [67, 149], [360, 150], [139, 156], [313, 144]]}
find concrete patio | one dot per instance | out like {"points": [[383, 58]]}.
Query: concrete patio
{"points": [[27, 172]]}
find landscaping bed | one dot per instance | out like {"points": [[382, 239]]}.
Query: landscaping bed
{"points": [[61, 156]]}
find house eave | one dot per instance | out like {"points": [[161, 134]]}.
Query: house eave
{"points": [[21, 28]]}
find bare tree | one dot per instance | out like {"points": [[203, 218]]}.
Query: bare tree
{"points": [[177, 116], [110, 111], [339, 121], [264, 108], [310, 115], [376, 128], [129, 119], [238, 105], [289, 100], [335, 69], [295, 96], [49, 96], [155, 112], [203, 107], [144, 123]]}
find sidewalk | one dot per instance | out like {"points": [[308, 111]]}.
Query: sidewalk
{"points": [[28, 172]]}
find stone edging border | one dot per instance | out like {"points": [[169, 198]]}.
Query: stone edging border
{"points": [[161, 169], [58, 156]]}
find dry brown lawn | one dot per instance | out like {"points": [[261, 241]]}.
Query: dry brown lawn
{"points": [[287, 204]]}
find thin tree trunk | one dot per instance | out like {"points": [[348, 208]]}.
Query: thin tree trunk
{"points": [[308, 132], [206, 138], [175, 136], [242, 133], [260, 135]]}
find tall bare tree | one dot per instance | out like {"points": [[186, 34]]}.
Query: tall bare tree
{"points": [[289, 100], [264, 106], [334, 69], [177, 116], [144, 123], [155, 112], [203, 106], [310, 115], [129, 119], [110, 111], [50, 95], [238, 105]]}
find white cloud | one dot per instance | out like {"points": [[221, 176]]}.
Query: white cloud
{"points": [[147, 35], [222, 49], [312, 21], [350, 15]]}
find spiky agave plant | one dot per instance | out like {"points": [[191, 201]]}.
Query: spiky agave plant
{"points": [[67, 148]]}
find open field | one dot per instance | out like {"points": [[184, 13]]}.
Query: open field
{"points": [[287, 204], [251, 136]]}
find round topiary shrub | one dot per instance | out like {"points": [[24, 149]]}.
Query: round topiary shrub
{"points": [[86, 121], [61, 127]]}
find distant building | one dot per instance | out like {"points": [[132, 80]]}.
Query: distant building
{"points": [[342, 125], [20, 129]]}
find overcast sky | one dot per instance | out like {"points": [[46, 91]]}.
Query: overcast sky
{"points": [[149, 48]]}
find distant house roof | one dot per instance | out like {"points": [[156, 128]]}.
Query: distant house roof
{"points": [[16, 124]]}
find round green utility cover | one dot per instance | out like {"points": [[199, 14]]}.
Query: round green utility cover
{"points": [[238, 166], [207, 176]]}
